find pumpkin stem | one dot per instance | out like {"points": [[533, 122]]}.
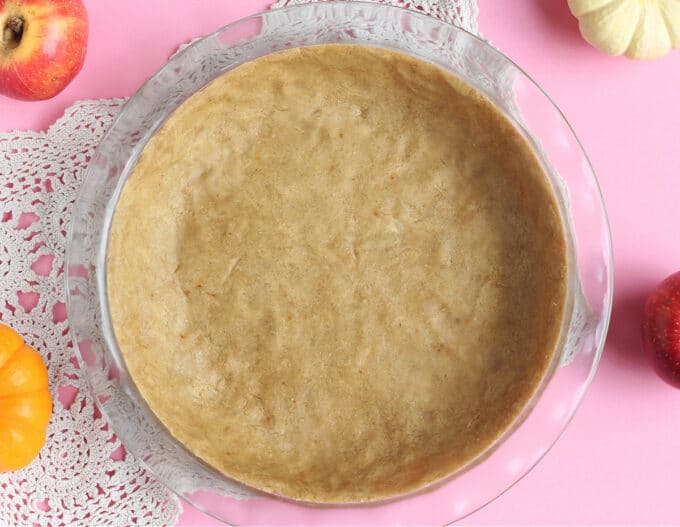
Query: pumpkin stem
{"points": [[13, 31]]}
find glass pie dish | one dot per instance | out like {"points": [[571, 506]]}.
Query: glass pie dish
{"points": [[534, 115]]}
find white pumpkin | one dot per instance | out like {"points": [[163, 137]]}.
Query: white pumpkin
{"points": [[640, 29]]}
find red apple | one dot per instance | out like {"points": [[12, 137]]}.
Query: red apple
{"points": [[42, 46], [661, 329]]}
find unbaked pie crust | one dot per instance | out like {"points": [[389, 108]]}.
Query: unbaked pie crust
{"points": [[337, 273]]}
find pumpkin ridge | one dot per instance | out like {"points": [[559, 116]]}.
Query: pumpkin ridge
{"points": [[32, 415], [9, 339], [597, 9], [22, 394], [666, 25], [671, 14], [6, 357], [11, 421], [28, 423], [639, 27], [33, 373], [24, 445]]}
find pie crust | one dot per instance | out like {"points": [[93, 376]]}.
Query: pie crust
{"points": [[337, 273]]}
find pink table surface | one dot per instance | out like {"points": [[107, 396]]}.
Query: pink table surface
{"points": [[619, 460]]}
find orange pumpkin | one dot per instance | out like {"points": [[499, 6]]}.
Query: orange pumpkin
{"points": [[25, 401]]}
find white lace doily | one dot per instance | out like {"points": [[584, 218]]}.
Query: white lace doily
{"points": [[82, 476]]}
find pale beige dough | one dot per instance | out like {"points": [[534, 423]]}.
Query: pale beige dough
{"points": [[337, 273]]}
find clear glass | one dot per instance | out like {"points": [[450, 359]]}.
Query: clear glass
{"points": [[482, 66]]}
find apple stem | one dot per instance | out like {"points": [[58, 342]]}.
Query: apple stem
{"points": [[13, 31]]}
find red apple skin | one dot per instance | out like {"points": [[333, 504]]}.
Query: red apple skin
{"points": [[50, 51], [661, 329]]}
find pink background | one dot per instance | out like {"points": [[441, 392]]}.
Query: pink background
{"points": [[619, 460]]}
